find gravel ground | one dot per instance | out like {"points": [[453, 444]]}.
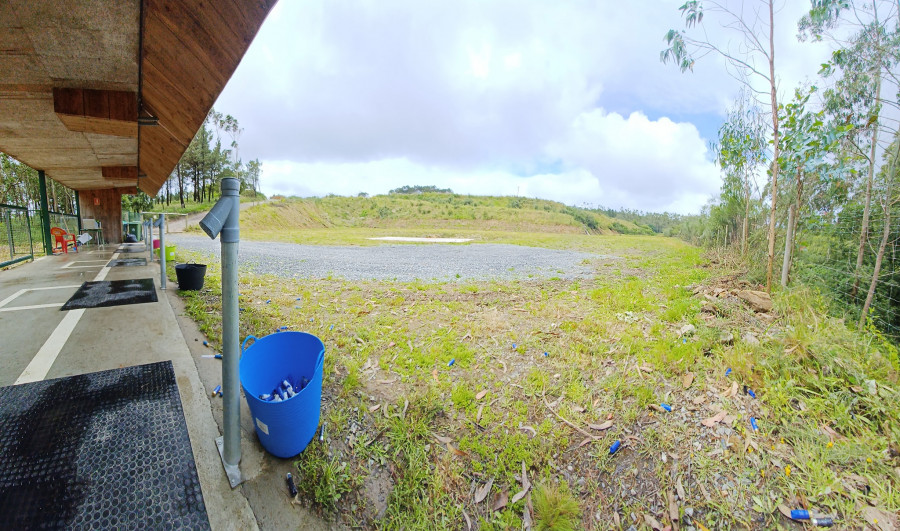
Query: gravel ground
{"points": [[400, 262]]}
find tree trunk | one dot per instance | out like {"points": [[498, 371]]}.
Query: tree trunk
{"points": [[180, 184], [788, 247], [745, 233], [884, 237], [864, 230], [774, 95], [878, 259]]}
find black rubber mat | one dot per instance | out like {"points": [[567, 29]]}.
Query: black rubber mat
{"points": [[127, 262], [106, 450], [112, 293]]}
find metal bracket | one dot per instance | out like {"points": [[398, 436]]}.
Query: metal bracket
{"points": [[232, 471]]}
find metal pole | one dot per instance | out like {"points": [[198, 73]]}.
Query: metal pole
{"points": [[222, 221], [78, 211], [150, 230], [45, 216], [162, 251], [230, 340], [12, 244]]}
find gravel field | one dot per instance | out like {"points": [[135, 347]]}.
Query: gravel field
{"points": [[400, 262]]}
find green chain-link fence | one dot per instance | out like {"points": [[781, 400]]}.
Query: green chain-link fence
{"points": [[15, 235]]}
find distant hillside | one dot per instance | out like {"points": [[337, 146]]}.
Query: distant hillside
{"points": [[434, 211]]}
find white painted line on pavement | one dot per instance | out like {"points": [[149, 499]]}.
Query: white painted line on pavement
{"points": [[33, 307], [40, 365], [9, 299], [46, 357]]}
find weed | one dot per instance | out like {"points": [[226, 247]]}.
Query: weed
{"points": [[555, 509]]}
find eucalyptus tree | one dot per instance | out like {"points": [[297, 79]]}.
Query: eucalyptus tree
{"points": [[740, 153], [808, 155], [890, 172], [752, 61], [861, 65]]}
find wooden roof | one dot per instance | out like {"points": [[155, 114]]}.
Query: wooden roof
{"points": [[83, 83]]}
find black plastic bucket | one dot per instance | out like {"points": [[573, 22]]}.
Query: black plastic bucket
{"points": [[190, 276]]}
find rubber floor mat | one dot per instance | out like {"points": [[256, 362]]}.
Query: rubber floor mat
{"points": [[112, 293], [105, 450], [127, 262]]}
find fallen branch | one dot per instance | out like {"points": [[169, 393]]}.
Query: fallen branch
{"points": [[560, 417]]}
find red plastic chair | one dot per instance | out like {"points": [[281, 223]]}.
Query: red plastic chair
{"points": [[61, 237]]}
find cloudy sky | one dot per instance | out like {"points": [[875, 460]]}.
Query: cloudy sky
{"points": [[563, 100]]}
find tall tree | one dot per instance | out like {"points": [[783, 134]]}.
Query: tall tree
{"points": [[740, 152], [754, 25], [890, 177], [862, 62]]}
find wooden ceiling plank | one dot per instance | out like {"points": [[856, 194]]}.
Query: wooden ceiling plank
{"points": [[96, 103], [102, 126], [203, 30], [68, 101], [119, 172]]}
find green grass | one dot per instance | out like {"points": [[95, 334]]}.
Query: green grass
{"points": [[430, 215], [613, 350]]}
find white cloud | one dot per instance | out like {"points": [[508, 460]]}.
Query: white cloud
{"points": [[484, 97], [605, 159]]}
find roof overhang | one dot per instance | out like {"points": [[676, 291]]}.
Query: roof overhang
{"points": [[109, 93]]}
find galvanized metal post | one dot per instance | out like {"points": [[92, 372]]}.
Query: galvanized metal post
{"points": [[230, 339], [150, 231], [222, 219], [162, 251], [45, 215], [9, 236]]}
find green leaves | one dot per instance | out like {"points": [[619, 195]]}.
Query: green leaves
{"points": [[677, 51]]}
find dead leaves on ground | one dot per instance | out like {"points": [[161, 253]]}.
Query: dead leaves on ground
{"points": [[715, 419], [482, 492]]}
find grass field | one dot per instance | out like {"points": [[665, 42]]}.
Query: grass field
{"points": [[494, 405]]}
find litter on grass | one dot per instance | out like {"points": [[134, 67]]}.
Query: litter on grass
{"points": [[615, 447]]}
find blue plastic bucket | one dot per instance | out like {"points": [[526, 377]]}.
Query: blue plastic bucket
{"points": [[284, 428]]}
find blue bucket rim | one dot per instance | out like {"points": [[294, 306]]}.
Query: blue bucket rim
{"points": [[320, 359]]}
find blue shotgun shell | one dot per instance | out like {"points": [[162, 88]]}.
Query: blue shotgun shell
{"points": [[799, 514], [205, 344], [728, 371], [217, 390], [615, 447], [331, 327], [753, 423], [751, 393], [667, 407], [450, 364]]}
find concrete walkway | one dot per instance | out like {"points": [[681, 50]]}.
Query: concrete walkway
{"points": [[38, 341]]}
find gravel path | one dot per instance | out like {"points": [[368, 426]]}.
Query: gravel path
{"points": [[400, 262]]}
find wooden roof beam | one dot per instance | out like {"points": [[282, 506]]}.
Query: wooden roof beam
{"points": [[120, 173], [105, 112]]}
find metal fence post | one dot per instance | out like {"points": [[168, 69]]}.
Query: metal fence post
{"points": [[45, 214], [162, 251], [78, 211], [12, 244]]}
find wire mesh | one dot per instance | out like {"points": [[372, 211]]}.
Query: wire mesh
{"points": [[67, 222], [15, 235]]}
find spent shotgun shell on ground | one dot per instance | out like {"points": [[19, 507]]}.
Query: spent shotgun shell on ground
{"points": [[290, 483], [615, 447]]}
